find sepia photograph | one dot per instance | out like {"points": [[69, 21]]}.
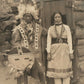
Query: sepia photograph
{"points": [[41, 41]]}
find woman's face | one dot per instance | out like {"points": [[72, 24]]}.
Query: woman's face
{"points": [[57, 18]]}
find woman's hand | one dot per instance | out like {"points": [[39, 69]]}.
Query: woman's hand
{"points": [[71, 56], [49, 57]]}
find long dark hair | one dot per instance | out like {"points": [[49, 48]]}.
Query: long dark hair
{"points": [[52, 17]]}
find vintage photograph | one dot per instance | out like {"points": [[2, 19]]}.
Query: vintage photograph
{"points": [[41, 41]]}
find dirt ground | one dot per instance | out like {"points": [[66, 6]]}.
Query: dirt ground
{"points": [[6, 79]]}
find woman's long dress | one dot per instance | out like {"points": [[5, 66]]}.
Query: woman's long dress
{"points": [[60, 65]]}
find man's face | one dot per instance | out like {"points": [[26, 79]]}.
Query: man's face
{"points": [[28, 18]]}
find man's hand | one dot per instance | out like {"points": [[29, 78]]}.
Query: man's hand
{"points": [[28, 69]]}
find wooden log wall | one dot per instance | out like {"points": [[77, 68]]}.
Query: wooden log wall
{"points": [[78, 16]]}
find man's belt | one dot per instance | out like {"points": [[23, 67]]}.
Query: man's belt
{"points": [[57, 40]]}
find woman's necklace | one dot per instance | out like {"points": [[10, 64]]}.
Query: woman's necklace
{"points": [[59, 36]]}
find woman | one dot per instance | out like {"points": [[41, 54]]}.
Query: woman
{"points": [[59, 49]]}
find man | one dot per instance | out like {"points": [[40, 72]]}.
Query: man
{"points": [[28, 34]]}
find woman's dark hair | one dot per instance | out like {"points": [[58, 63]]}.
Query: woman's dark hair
{"points": [[52, 17]]}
